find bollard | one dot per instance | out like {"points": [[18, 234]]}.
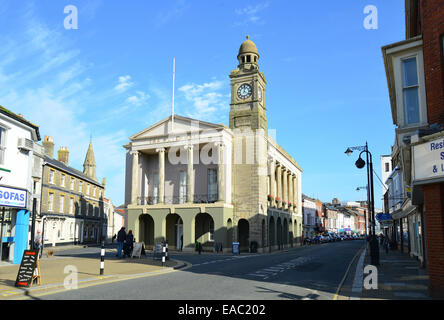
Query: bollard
{"points": [[166, 251], [163, 255], [102, 258]]}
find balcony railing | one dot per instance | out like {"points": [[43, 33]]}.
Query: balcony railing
{"points": [[198, 198]]}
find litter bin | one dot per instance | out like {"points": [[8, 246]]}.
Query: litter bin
{"points": [[253, 246]]}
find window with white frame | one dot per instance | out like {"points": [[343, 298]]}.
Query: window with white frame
{"points": [[62, 180], [50, 201], [80, 186], [2, 145], [62, 203], [410, 90], [51, 176], [88, 188], [71, 205], [72, 183]]}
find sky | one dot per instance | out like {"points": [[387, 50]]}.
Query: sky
{"points": [[112, 77]]}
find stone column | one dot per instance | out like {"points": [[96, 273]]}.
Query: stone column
{"points": [[272, 169], [190, 174], [161, 152], [221, 174], [290, 190], [135, 178], [285, 193], [295, 192], [279, 185]]}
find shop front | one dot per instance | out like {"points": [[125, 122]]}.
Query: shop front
{"points": [[14, 224]]}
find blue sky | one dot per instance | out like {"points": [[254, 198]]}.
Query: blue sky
{"points": [[112, 76]]}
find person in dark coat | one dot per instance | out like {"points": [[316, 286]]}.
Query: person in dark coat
{"points": [[121, 236], [129, 243]]}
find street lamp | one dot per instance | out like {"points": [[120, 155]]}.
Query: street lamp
{"points": [[360, 163]]}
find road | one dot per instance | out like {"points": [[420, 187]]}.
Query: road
{"points": [[303, 273]]}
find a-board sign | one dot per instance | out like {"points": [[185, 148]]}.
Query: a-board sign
{"points": [[137, 250], [236, 248], [27, 268]]}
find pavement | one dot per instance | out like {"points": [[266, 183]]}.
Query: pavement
{"points": [[400, 277], [57, 270]]}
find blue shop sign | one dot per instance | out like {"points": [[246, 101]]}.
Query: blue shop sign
{"points": [[11, 197]]}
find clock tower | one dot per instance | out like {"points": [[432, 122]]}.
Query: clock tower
{"points": [[248, 90]]}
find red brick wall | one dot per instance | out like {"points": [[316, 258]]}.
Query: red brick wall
{"points": [[432, 16], [434, 231]]}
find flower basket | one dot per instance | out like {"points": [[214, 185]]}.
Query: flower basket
{"points": [[270, 197]]}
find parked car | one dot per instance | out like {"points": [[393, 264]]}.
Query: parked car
{"points": [[325, 238], [332, 236]]}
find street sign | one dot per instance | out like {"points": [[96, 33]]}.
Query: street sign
{"points": [[29, 269], [137, 250], [11, 197], [236, 248]]}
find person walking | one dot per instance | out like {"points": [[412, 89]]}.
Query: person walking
{"points": [[38, 242], [121, 236], [129, 244], [386, 244], [181, 242]]}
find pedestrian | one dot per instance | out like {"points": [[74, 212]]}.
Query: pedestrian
{"points": [[121, 236], [386, 245], [199, 247], [181, 242], [38, 242], [129, 244]]}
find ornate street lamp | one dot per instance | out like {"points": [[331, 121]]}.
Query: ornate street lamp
{"points": [[360, 163]]}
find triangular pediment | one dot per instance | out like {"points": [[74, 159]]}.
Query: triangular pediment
{"points": [[181, 125]]}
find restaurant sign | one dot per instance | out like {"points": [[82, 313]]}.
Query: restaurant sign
{"points": [[428, 161]]}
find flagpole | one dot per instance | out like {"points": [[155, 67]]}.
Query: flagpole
{"points": [[172, 114]]}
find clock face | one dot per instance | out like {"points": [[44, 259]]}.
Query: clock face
{"points": [[244, 91]]}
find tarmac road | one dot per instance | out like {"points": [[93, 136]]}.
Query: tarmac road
{"points": [[302, 273]]}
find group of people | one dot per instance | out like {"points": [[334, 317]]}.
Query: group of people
{"points": [[125, 242]]}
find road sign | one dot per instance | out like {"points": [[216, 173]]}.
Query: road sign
{"points": [[236, 248]]}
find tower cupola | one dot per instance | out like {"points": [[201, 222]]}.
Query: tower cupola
{"points": [[248, 54]]}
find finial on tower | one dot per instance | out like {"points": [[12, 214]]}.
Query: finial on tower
{"points": [[248, 37]]}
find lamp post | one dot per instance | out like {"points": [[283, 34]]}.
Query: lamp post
{"points": [[360, 163]]}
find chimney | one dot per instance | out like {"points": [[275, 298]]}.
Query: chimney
{"points": [[48, 145], [63, 154]]}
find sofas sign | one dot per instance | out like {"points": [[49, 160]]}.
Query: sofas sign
{"points": [[10, 197]]}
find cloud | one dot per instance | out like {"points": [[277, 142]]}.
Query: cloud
{"points": [[251, 13], [124, 83], [175, 11], [138, 99], [207, 100]]}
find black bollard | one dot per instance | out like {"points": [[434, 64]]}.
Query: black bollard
{"points": [[102, 258]]}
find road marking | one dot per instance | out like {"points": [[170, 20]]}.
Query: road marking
{"points": [[346, 273]]}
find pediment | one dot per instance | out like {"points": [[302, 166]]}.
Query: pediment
{"points": [[181, 125]]}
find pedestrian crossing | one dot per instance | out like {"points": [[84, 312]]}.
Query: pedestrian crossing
{"points": [[272, 271]]}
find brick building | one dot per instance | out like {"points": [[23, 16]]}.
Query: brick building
{"points": [[415, 77]]}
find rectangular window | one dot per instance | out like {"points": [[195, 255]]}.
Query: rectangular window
{"points": [[387, 167], [88, 189], [2, 145], [62, 203], [80, 186], [51, 202], [72, 183], [410, 87], [183, 187], [62, 180], [51, 176], [87, 209], [212, 185], [71, 205]]}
